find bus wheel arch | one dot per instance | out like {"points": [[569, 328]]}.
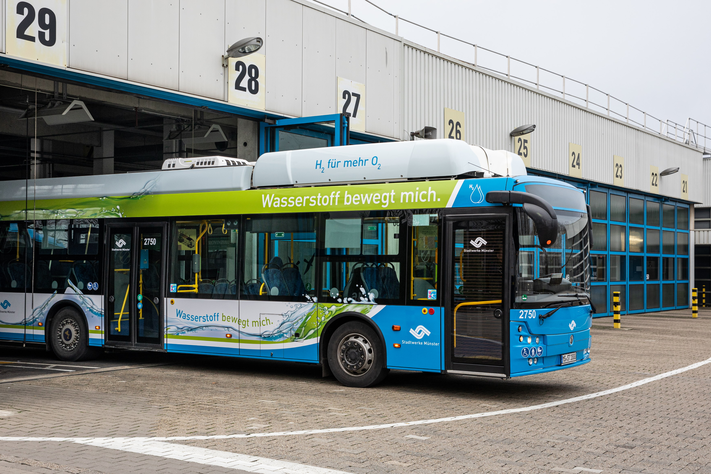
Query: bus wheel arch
{"points": [[67, 333], [354, 351]]}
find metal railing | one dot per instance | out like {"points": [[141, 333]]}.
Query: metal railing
{"points": [[694, 134]]}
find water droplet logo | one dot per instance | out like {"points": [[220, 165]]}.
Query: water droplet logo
{"points": [[419, 332], [5, 304], [478, 242], [477, 196]]}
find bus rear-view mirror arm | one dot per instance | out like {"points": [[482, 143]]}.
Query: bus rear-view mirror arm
{"points": [[535, 207]]}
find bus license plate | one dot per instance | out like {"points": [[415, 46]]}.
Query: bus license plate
{"points": [[568, 358]]}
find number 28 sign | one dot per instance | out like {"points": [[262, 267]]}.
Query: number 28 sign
{"points": [[246, 81], [37, 30]]}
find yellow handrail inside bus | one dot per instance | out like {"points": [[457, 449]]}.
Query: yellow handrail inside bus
{"points": [[469, 303], [123, 306], [140, 292], [193, 288]]}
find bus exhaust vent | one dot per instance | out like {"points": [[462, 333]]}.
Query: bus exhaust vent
{"points": [[203, 162]]}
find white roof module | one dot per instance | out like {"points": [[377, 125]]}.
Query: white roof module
{"points": [[378, 162]]}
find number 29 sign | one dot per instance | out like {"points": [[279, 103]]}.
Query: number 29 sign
{"points": [[37, 30]]}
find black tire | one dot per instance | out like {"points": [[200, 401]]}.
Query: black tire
{"points": [[69, 337], [356, 355]]}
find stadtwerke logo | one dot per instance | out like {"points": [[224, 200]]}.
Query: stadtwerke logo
{"points": [[5, 304]]}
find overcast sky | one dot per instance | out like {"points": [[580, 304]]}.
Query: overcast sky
{"points": [[654, 55]]}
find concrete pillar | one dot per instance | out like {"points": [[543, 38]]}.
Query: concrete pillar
{"points": [[104, 155]]}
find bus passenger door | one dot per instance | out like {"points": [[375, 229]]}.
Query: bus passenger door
{"points": [[135, 292], [476, 296]]}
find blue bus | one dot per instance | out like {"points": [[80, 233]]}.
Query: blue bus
{"points": [[430, 255]]}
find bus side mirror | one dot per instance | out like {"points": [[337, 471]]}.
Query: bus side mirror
{"points": [[546, 227], [537, 208], [196, 263]]}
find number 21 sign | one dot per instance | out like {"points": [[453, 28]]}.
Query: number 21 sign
{"points": [[37, 30]]}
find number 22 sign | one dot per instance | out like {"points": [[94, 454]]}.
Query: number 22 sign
{"points": [[37, 30]]}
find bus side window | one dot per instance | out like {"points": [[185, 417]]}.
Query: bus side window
{"points": [[214, 244], [425, 258], [279, 255], [362, 258]]}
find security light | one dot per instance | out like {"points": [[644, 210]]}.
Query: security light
{"points": [[241, 48], [61, 113], [429, 133], [522, 130], [669, 171]]}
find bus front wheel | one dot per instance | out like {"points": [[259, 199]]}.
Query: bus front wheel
{"points": [[355, 355], [68, 336]]}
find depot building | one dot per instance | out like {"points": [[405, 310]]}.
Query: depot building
{"points": [[116, 86]]}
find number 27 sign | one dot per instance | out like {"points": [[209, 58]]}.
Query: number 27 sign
{"points": [[37, 30]]}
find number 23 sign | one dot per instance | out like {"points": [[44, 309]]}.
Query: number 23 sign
{"points": [[37, 30]]}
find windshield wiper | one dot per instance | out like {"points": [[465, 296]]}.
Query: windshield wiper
{"points": [[577, 296], [549, 314]]}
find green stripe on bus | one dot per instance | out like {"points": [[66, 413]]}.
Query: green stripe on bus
{"points": [[385, 196]]}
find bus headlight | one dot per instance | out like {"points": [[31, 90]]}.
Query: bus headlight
{"points": [[530, 361], [520, 338]]}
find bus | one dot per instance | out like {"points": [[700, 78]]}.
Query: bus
{"points": [[428, 255]]}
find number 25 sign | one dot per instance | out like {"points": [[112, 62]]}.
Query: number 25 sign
{"points": [[37, 30]]}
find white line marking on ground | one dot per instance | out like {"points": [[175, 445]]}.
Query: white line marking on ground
{"points": [[209, 457], [37, 368], [51, 365], [542, 406], [4, 413], [421, 438]]}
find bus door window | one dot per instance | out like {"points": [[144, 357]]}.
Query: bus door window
{"points": [[204, 258], [479, 287], [424, 256], [279, 258], [362, 258]]}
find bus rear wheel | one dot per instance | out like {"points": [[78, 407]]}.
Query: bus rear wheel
{"points": [[68, 336], [355, 355]]}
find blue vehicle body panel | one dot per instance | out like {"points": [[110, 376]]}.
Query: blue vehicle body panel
{"points": [[554, 338]]}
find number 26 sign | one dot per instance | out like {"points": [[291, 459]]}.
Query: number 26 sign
{"points": [[37, 30]]}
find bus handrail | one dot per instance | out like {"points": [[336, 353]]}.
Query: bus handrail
{"points": [[468, 303]]}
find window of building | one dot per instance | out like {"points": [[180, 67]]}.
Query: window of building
{"points": [[702, 218], [598, 205], [636, 211], [618, 208], [669, 219], [653, 213]]}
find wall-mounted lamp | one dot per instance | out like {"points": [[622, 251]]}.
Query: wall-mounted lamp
{"points": [[522, 130], [428, 133], [706, 156], [60, 113], [242, 48], [669, 171]]}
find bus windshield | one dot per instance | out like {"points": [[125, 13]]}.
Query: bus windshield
{"points": [[559, 274]]}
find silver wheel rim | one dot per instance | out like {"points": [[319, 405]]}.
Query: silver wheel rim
{"points": [[68, 334], [355, 354]]}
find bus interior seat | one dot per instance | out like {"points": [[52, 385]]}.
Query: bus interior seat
{"points": [[389, 284], [251, 287], [355, 283], [43, 277], [293, 280], [273, 277], [19, 274], [222, 288], [83, 273], [206, 288]]}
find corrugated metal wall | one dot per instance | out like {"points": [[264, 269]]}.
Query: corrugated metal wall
{"points": [[178, 44], [493, 106], [702, 237]]}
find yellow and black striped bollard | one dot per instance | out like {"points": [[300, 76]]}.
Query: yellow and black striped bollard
{"points": [[694, 303], [703, 296], [616, 309]]}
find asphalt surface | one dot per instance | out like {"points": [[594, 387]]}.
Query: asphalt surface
{"points": [[626, 411]]}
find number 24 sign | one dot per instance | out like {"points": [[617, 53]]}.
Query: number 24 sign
{"points": [[37, 30]]}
